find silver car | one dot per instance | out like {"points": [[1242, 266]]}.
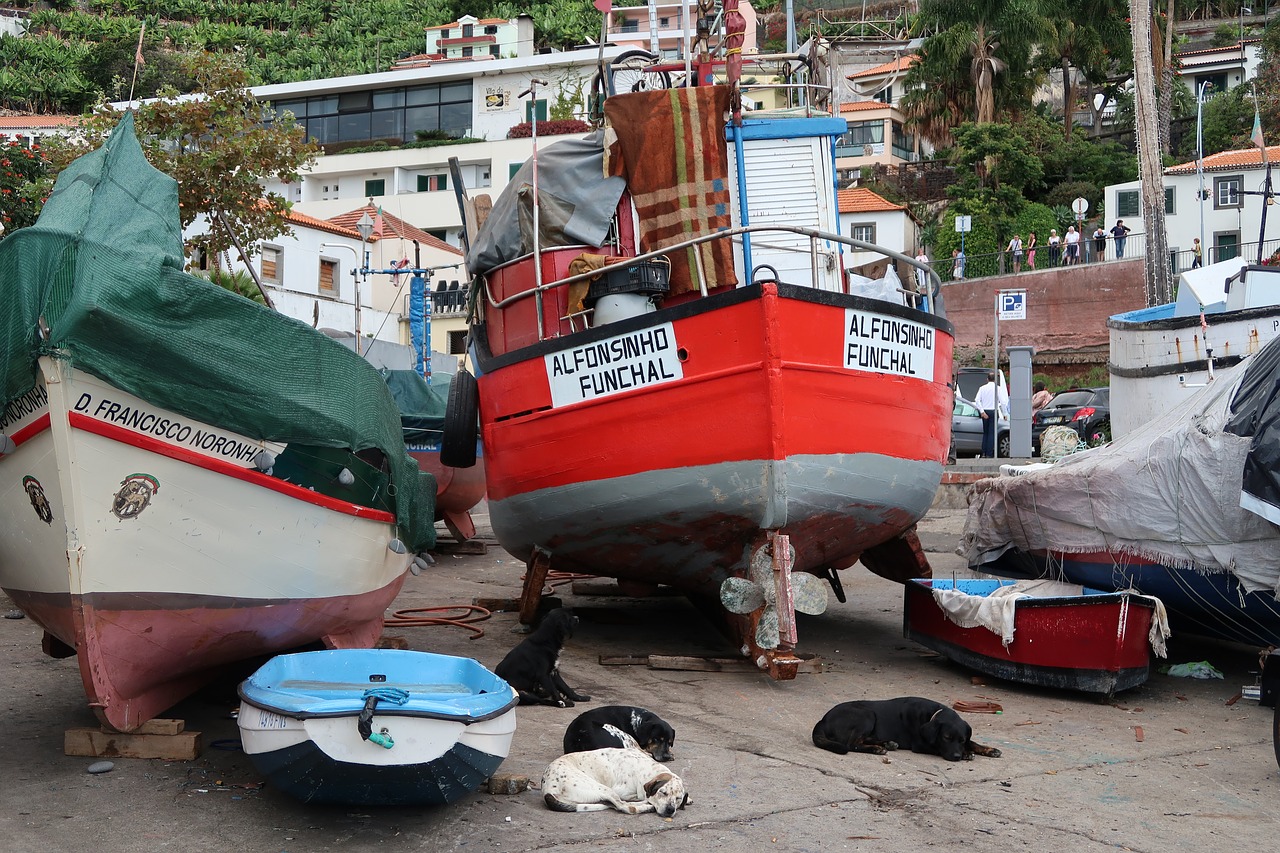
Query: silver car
{"points": [[966, 430]]}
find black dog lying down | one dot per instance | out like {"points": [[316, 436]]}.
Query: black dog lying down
{"points": [[920, 725], [533, 666], [620, 726]]}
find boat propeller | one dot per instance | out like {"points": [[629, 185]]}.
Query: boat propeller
{"points": [[772, 586]]}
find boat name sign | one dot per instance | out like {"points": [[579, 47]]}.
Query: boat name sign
{"points": [[621, 363], [879, 344], [136, 416]]}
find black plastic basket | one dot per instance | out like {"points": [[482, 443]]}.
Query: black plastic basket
{"points": [[650, 277]]}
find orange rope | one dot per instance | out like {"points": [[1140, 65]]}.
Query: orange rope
{"points": [[471, 613]]}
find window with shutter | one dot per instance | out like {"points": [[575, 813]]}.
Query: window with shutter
{"points": [[328, 277], [271, 271]]}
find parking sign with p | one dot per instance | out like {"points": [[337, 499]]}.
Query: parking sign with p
{"points": [[1012, 304]]}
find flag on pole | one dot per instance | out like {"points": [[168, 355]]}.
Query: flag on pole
{"points": [[377, 224], [604, 6], [137, 54], [1256, 136]]}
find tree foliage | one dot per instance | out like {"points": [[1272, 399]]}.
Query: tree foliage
{"points": [[217, 147]]}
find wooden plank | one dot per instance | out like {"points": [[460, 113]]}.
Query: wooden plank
{"points": [[157, 727], [95, 743], [624, 660], [472, 547]]}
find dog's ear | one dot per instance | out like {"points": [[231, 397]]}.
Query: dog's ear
{"points": [[651, 787], [685, 801]]}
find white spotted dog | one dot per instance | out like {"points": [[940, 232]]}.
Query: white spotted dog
{"points": [[628, 780]]}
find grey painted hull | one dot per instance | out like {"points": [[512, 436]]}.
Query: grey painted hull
{"points": [[693, 527]]}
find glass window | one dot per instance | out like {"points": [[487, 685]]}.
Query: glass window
{"points": [[863, 133], [377, 186], [322, 106], [456, 118], [468, 31], [388, 98], [1226, 192], [458, 343], [491, 30], [1127, 204], [386, 124], [421, 118], [865, 233], [495, 50], [298, 108], [456, 92], [432, 183], [350, 102], [422, 95], [1168, 201], [353, 128], [467, 51], [444, 33]]}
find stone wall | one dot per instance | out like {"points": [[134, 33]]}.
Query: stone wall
{"points": [[1067, 311]]}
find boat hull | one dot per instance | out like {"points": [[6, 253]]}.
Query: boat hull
{"points": [[458, 490], [749, 420], [1205, 604], [1158, 360], [1095, 642], [152, 546], [448, 729]]}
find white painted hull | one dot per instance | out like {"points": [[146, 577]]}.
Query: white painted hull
{"points": [[211, 560], [1157, 361]]}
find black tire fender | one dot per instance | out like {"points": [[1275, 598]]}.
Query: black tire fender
{"points": [[461, 422]]}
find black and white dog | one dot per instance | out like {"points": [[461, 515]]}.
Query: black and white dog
{"points": [[533, 666], [620, 726]]}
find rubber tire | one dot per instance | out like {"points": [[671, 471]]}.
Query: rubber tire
{"points": [[461, 422], [1275, 733], [1004, 445]]}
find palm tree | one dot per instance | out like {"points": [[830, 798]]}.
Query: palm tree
{"points": [[992, 34]]}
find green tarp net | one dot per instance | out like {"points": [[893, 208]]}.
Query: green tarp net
{"points": [[103, 269]]}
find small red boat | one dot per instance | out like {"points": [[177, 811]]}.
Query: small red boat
{"points": [[1037, 632], [677, 383]]}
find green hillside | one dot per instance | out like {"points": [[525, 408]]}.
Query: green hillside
{"points": [[75, 53]]}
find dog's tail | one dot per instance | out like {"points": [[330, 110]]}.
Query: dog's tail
{"points": [[558, 805]]}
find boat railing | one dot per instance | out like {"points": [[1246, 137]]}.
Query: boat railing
{"points": [[815, 236]]}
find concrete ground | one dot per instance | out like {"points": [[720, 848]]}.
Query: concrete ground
{"points": [[1171, 765]]}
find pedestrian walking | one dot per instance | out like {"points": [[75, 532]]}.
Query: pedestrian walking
{"points": [[1197, 259], [1119, 234], [991, 399], [957, 264]]}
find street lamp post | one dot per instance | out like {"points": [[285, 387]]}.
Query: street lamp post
{"points": [[365, 227], [1200, 152], [355, 278]]}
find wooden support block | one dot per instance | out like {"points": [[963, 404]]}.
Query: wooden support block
{"points": [[470, 547], [508, 783], [497, 605], [696, 663], [95, 743], [624, 660], [157, 727]]}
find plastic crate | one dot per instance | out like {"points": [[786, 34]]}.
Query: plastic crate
{"points": [[651, 277]]}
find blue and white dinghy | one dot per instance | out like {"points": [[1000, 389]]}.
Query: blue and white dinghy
{"points": [[376, 726]]}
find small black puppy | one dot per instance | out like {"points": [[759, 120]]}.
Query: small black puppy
{"points": [[920, 725], [533, 666], [620, 726]]}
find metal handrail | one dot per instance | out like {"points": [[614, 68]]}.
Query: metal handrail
{"points": [[813, 234]]}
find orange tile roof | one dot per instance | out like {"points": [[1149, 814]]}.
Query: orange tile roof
{"points": [[24, 122], [1246, 158], [298, 218], [862, 200], [480, 22], [863, 106], [901, 63], [392, 226], [1225, 49]]}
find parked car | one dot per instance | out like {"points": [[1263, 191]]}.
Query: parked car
{"points": [[966, 430], [1086, 410]]}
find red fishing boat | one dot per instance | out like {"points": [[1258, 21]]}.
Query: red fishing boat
{"points": [[1042, 632], [677, 383]]}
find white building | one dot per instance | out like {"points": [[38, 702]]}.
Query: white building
{"points": [[469, 37], [29, 129], [869, 217], [1223, 67], [1231, 212]]}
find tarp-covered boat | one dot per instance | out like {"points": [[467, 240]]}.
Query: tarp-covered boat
{"points": [[1186, 509], [422, 414], [376, 727], [188, 478], [677, 383], [1040, 632]]}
